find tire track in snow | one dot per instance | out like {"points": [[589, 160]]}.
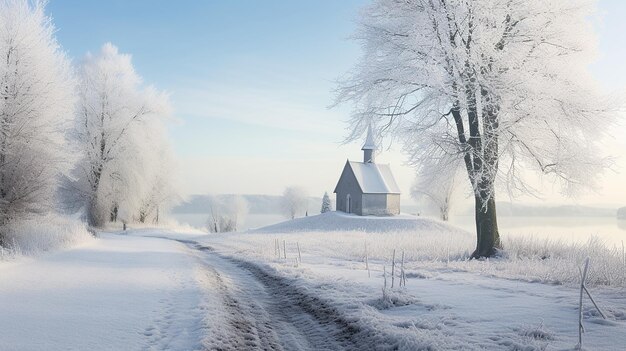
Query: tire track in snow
{"points": [[240, 330], [265, 312]]}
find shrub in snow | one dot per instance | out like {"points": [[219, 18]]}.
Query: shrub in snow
{"points": [[36, 104], [221, 224], [45, 233], [393, 298], [537, 333], [226, 213]]}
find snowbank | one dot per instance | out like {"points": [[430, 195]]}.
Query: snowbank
{"points": [[339, 221], [166, 224], [43, 233]]}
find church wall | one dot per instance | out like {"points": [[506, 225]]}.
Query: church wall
{"points": [[348, 185], [393, 204], [375, 205]]}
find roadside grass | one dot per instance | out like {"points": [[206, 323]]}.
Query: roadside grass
{"points": [[524, 257]]}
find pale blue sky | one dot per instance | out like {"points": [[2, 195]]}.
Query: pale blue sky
{"points": [[251, 81]]}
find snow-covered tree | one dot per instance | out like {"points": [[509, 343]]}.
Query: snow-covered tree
{"points": [[115, 122], [227, 213], [294, 201], [36, 106], [326, 205], [213, 222], [236, 209], [436, 183], [162, 191], [503, 85]]}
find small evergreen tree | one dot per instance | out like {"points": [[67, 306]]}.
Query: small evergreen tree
{"points": [[326, 207]]}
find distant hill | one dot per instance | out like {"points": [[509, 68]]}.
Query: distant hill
{"points": [[257, 204], [621, 213], [271, 204], [339, 221]]}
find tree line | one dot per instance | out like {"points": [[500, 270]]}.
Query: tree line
{"points": [[89, 137]]}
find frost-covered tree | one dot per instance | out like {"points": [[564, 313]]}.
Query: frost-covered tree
{"points": [[227, 213], [294, 201], [161, 191], [503, 85], [215, 213], [326, 205], [115, 120], [236, 209], [36, 105], [437, 182]]}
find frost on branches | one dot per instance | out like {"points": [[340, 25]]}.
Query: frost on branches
{"points": [[125, 170], [36, 104], [500, 85]]}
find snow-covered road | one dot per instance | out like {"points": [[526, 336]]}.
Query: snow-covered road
{"points": [[142, 293], [259, 311], [115, 293]]}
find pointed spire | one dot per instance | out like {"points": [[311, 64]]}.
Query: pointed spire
{"points": [[370, 144], [369, 148]]}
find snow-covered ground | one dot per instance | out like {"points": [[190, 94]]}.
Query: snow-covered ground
{"points": [[526, 300], [152, 289], [115, 293]]}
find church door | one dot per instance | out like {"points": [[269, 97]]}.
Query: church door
{"points": [[348, 204]]}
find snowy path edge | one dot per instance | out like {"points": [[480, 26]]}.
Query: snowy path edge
{"points": [[355, 330]]}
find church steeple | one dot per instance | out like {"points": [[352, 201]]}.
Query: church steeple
{"points": [[369, 148]]}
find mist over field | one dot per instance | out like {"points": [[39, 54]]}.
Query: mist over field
{"points": [[312, 175]]}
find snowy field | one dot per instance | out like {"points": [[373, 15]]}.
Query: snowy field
{"points": [[565, 229], [526, 300], [156, 289]]}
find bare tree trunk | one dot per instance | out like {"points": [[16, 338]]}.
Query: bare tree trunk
{"points": [[114, 214], [445, 208], [93, 217], [487, 234], [481, 163], [92, 207]]}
